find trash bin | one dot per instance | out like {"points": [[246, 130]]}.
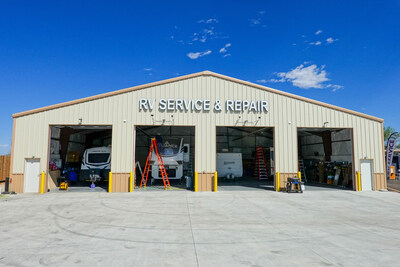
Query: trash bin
{"points": [[72, 176]]}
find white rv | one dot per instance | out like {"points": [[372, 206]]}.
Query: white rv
{"points": [[174, 153], [96, 164], [229, 165]]}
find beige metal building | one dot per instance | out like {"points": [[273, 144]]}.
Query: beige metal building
{"points": [[206, 101]]}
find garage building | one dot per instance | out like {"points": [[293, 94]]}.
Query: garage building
{"points": [[210, 116]]}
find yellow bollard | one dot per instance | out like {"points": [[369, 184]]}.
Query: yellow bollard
{"points": [[356, 181], [299, 175], [42, 183], [110, 182], [277, 182], [131, 182], [215, 182], [359, 188], [195, 181]]}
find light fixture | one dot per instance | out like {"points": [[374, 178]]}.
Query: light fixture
{"points": [[80, 121], [244, 122], [325, 123]]}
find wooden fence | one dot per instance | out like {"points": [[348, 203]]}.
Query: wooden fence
{"points": [[4, 166]]}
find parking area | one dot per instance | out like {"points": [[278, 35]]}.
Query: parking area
{"points": [[183, 228]]}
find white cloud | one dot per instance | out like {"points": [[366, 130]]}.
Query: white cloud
{"points": [[318, 32], [258, 20], [207, 21], [334, 87], [255, 21], [262, 81], [304, 77], [331, 40], [204, 35], [226, 55], [4, 145], [196, 55], [223, 49], [315, 43], [148, 69]]}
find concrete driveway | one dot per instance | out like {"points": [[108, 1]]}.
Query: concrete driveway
{"points": [[182, 228]]}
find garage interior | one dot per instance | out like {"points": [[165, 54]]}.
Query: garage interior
{"points": [[245, 158], [81, 156], [176, 145], [326, 157]]}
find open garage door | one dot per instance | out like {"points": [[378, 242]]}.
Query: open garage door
{"points": [[326, 157], [80, 156], [245, 158], [176, 147]]}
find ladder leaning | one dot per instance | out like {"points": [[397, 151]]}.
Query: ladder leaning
{"points": [[153, 149], [302, 170], [260, 169]]}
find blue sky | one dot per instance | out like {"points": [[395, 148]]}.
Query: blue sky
{"points": [[345, 53]]}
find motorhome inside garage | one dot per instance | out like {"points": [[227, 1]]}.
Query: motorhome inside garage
{"points": [[80, 154]]}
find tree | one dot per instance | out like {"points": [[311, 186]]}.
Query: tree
{"points": [[387, 131]]}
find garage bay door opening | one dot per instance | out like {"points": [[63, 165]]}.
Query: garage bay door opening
{"points": [[176, 147], [245, 158], [81, 156], [326, 157]]}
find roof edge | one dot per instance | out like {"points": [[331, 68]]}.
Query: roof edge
{"points": [[189, 76], [309, 100], [117, 92]]}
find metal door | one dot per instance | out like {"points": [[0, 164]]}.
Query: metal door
{"points": [[366, 174], [32, 176]]}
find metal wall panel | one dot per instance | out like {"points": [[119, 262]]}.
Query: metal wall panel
{"points": [[31, 136]]}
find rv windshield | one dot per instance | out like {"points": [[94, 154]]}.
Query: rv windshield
{"points": [[170, 147], [98, 157]]}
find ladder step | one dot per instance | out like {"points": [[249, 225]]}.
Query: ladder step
{"points": [[260, 168]]}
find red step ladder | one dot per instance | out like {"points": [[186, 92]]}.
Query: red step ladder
{"points": [[260, 169], [153, 148]]}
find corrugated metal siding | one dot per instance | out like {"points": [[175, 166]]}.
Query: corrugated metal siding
{"points": [[31, 137]]}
